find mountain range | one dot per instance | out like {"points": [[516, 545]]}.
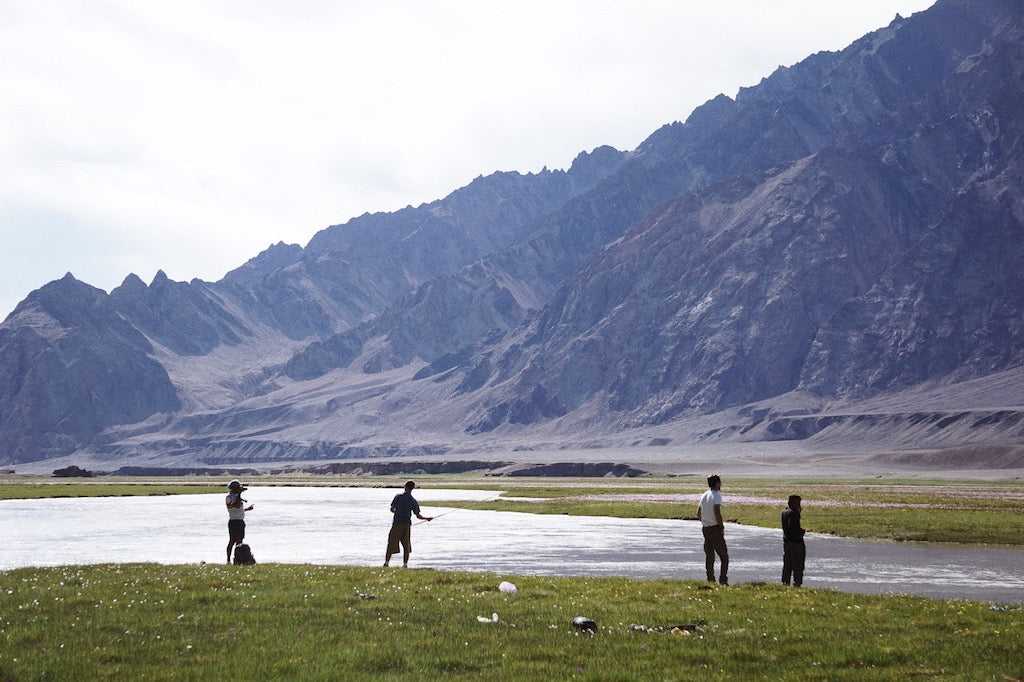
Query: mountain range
{"points": [[834, 258]]}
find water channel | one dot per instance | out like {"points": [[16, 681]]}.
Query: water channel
{"points": [[348, 526]]}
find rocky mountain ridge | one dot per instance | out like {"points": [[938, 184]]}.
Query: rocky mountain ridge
{"points": [[773, 268]]}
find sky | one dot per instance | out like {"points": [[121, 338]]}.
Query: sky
{"points": [[189, 135]]}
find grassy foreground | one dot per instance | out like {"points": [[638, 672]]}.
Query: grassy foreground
{"points": [[277, 622]]}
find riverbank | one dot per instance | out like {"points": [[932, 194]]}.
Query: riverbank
{"points": [[347, 526], [922, 510]]}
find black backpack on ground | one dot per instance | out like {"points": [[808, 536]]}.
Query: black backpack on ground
{"points": [[243, 555]]}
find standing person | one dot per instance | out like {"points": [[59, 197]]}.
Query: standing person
{"points": [[709, 511], [793, 550], [403, 507], [236, 514]]}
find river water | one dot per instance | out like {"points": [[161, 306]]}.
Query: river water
{"points": [[348, 526]]}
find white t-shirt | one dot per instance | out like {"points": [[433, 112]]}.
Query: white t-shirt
{"points": [[708, 500], [235, 512]]}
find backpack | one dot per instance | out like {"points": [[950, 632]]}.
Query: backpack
{"points": [[243, 555]]}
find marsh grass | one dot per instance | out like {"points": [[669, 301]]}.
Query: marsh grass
{"points": [[963, 513], [37, 490], [997, 524], [276, 622]]}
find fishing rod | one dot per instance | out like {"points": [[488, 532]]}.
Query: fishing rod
{"points": [[492, 497]]}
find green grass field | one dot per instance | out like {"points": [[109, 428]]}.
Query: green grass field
{"points": [[300, 622]]}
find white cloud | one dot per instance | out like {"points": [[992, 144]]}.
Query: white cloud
{"points": [[189, 135]]}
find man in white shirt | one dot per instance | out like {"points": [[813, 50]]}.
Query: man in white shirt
{"points": [[709, 511]]}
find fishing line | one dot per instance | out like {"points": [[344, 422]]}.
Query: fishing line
{"points": [[433, 518]]}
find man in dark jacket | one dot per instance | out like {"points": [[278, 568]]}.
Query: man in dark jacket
{"points": [[403, 506], [793, 550]]}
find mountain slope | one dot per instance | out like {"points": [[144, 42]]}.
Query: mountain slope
{"points": [[59, 386], [825, 99], [844, 236], [212, 341], [889, 258]]}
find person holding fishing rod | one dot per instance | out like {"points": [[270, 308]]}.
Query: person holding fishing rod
{"points": [[403, 506], [236, 514]]}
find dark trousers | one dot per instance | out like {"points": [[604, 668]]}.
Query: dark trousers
{"points": [[714, 543], [793, 556], [236, 533]]}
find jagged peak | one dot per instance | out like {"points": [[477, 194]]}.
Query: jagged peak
{"points": [[273, 258], [132, 284], [132, 280], [281, 254], [712, 110], [604, 152], [53, 296]]}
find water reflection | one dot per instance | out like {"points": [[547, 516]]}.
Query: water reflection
{"points": [[348, 526]]}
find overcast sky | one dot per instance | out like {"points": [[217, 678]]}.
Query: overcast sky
{"points": [[189, 135]]}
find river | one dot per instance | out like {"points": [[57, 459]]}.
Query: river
{"points": [[348, 526]]}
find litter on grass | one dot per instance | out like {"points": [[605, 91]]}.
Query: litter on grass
{"points": [[584, 624], [688, 629], [507, 587]]}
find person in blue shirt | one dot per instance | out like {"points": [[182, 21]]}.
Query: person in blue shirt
{"points": [[403, 506]]}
